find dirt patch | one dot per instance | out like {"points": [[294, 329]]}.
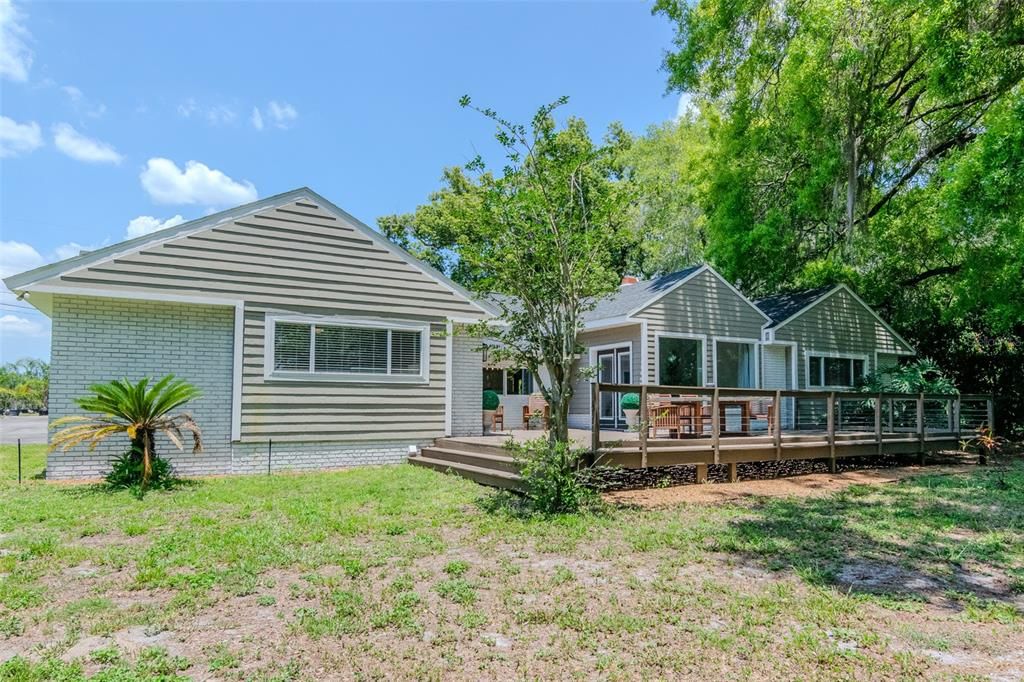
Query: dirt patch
{"points": [[809, 485]]}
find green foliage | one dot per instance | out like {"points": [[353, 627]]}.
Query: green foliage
{"points": [[490, 400], [126, 473], [630, 401], [550, 472], [919, 376], [25, 384], [879, 144], [136, 409], [545, 238]]}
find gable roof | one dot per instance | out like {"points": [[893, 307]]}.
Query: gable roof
{"points": [[631, 297], [786, 304], [781, 307], [26, 280]]}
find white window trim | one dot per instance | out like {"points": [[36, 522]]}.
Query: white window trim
{"points": [[756, 343], [592, 357], [831, 354], [681, 335], [794, 375], [270, 374]]}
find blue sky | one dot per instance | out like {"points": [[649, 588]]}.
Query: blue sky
{"points": [[118, 117]]}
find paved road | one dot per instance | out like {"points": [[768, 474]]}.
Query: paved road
{"points": [[30, 429]]}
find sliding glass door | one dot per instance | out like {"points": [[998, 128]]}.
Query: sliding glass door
{"points": [[614, 366]]}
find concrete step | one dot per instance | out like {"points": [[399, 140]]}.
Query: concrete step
{"points": [[491, 477], [483, 460]]}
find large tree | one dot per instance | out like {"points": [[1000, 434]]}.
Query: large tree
{"points": [[544, 237], [877, 142]]}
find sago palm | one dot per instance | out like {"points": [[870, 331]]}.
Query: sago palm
{"points": [[138, 410]]}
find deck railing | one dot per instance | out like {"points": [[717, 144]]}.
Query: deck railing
{"points": [[780, 423]]}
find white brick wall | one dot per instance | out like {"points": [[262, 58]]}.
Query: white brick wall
{"points": [[253, 457], [96, 340], [467, 386]]}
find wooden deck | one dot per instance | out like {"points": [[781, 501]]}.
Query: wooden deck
{"points": [[785, 425]]}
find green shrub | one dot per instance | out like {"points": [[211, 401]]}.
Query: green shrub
{"points": [[551, 476], [491, 400], [630, 401], [126, 473]]}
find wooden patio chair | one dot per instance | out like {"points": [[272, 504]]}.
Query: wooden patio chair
{"points": [[662, 416], [498, 420], [536, 405]]}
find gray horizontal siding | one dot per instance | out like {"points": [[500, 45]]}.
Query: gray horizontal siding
{"points": [[338, 411], [580, 402], [703, 305], [280, 256], [839, 324]]}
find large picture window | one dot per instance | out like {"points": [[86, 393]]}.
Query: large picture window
{"points": [[680, 361], [834, 372], [337, 349]]}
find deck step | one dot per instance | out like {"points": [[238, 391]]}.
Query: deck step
{"points": [[487, 476], [469, 445], [486, 460]]}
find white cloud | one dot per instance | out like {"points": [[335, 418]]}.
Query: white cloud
{"points": [[685, 106], [18, 138], [15, 57], [145, 224], [82, 148], [187, 108], [82, 104], [196, 184], [220, 115], [256, 118], [13, 325], [71, 249], [18, 257], [282, 114]]}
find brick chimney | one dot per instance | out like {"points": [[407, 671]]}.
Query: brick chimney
{"points": [[629, 279]]}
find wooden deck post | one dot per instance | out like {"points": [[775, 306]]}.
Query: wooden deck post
{"points": [[830, 421], [878, 421], [716, 426], [956, 417], [990, 414], [702, 473], [777, 418], [920, 426], [595, 417], [644, 422], [733, 473]]}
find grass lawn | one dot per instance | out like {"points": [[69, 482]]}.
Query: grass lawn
{"points": [[399, 572]]}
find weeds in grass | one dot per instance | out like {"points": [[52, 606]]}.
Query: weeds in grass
{"points": [[457, 590]]}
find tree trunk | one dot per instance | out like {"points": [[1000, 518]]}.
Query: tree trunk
{"points": [[147, 454]]}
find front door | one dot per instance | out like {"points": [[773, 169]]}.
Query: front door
{"points": [[614, 366]]}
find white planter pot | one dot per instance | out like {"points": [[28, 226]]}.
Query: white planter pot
{"points": [[488, 421], [632, 418]]}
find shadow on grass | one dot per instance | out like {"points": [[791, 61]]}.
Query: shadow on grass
{"points": [[945, 539], [108, 490]]}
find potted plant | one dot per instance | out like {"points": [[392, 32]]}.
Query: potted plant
{"points": [[490, 404], [630, 404]]}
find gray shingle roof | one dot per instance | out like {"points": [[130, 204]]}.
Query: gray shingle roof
{"points": [[780, 307], [629, 297]]}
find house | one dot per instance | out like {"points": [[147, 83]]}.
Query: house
{"points": [[319, 343], [825, 338], [316, 342], [694, 328]]}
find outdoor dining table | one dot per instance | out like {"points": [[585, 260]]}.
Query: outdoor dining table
{"points": [[697, 406]]}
